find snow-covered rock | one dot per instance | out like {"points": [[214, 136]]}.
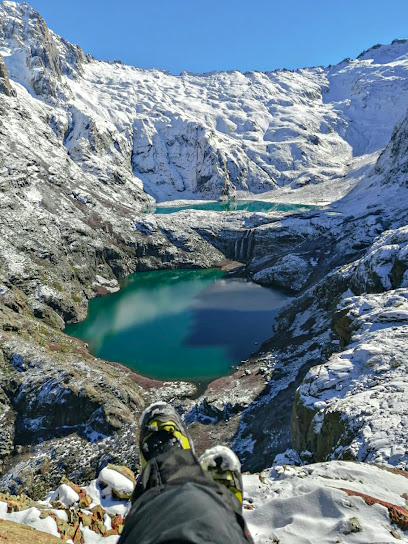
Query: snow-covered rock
{"points": [[325, 503], [66, 495], [289, 272], [356, 404], [115, 482]]}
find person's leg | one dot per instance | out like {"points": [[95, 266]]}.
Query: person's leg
{"points": [[175, 500]]}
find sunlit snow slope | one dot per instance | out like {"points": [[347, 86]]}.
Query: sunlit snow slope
{"points": [[192, 136]]}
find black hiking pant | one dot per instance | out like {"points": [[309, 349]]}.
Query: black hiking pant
{"points": [[175, 501]]}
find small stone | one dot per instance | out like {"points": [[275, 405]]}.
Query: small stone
{"points": [[72, 516], [352, 526], [395, 534], [44, 514], [78, 537], [98, 527], [85, 501], [111, 532], [98, 512], [86, 519], [117, 522]]}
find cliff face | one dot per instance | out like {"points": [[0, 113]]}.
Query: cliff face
{"points": [[5, 86], [42, 58]]}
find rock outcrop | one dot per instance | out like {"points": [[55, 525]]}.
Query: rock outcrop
{"points": [[5, 86], [354, 405], [22, 534], [47, 56]]}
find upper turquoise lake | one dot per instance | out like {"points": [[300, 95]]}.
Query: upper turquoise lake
{"points": [[236, 205], [180, 324]]}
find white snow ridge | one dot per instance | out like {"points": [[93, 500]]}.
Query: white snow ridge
{"points": [[318, 415]]}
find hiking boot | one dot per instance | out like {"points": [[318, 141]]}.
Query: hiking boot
{"points": [[161, 428], [224, 467]]}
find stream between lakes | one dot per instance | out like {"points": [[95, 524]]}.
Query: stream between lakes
{"points": [[180, 324]]}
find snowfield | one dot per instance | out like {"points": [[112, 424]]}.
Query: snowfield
{"points": [[299, 505]]}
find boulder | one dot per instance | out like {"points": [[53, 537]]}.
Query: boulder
{"points": [[21, 534], [117, 481], [290, 272]]}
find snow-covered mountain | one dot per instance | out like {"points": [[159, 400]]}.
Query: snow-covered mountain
{"points": [[194, 136], [86, 144]]}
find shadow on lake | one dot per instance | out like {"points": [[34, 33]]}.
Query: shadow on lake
{"points": [[184, 324]]}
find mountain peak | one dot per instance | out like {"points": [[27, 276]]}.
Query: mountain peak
{"points": [[383, 54], [16, 9], [47, 56]]}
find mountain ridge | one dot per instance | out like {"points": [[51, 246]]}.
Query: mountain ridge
{"points": [[204, 136], [26, 8]]}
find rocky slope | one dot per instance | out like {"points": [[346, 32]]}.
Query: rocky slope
{"points": [[84, 147], [204, 135], [325, 502], [362, 357]]}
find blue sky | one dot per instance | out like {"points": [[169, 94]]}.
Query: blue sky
{"points": [[205, 35]]}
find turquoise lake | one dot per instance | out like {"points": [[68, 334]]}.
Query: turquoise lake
{"points": [[180, 324], [237, 205]]}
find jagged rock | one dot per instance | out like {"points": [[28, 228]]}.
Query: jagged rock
{"points": [[5, 86], [290, 272], [48, 57]]}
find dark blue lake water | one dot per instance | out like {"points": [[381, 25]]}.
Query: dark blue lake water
{"points": [[180, 324]]}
